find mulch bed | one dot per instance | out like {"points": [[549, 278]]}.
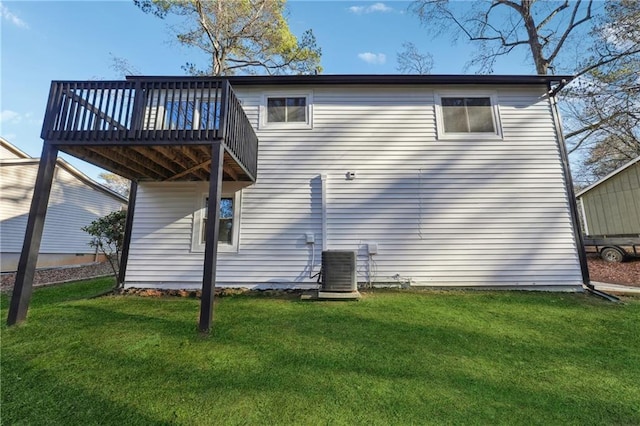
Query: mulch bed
{"points": [[627, 273], [58, 275], [219, 292], [615, 273]]}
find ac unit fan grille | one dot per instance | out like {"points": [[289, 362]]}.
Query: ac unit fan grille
{"points": [[339, 270]]}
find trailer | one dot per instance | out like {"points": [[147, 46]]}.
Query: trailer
{"points": [[615, 248], [610, 214]]}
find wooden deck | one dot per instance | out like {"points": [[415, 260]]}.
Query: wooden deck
{"points": [[152, 128]]}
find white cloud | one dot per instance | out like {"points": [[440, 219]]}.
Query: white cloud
{"points": [[377, 7], [7, 116], [373, 58], [14, 19]]}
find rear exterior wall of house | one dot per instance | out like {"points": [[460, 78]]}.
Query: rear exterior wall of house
{"points": [[473, 210]]}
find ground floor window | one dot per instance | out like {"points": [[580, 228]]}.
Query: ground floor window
{"points": [[229, 222]]}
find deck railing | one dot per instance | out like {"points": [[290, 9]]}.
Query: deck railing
{"points": [[150, 110]]}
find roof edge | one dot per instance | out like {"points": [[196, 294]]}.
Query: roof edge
{"points": [[11, 147], [74, 172], [430, 79], [86, 179], [607, 177]]}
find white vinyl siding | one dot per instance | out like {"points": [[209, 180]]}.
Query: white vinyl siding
{"points": [[459, 212], [72, 205]]}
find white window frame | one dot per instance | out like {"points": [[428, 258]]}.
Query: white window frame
{"points": [[495, 113], [197, 245], [307, 124]]}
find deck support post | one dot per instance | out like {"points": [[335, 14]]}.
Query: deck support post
{"points": [[23, 286], [124, 256], [212, 230]]}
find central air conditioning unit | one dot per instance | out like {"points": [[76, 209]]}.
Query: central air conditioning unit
{"points": [[339, 271]]}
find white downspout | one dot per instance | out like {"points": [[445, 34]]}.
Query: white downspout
{"points": [[323, 181]]}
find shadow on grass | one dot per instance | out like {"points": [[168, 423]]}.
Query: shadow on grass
{"points": [[25, 401], [58, 293]]}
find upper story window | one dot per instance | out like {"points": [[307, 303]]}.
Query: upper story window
{"points": [[463, 116], [286, 111], [191, 115]]}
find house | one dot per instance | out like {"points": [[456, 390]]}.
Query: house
{"points": [[611, 206], [75, 201], [433, 180]]}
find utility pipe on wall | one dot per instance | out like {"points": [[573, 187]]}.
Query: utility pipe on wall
{"points": [[323, 181]]}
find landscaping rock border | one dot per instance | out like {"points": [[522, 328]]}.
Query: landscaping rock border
{"points": [[219, 292], [50, 276]]}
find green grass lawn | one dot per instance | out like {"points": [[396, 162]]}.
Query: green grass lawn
{"points": [[395, 357]]}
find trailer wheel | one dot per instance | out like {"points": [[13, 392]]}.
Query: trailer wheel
{"points": [[612, 254]]}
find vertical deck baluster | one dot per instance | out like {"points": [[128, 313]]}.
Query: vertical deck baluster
{"points": [[173, 124], [73, 106], [206, 127], [85, 110], [143, 89], [147, 109], [165, 97], [122, 91], [197, 107], [158, 90], [217, 108], [65, 113], [98, 124], [185, 131], [93, 118], [114, 127], [127, 117], [199, 98], [81, 110], [138, 108], [163, 102], [105, 111], [181, 85], [201, 89]]}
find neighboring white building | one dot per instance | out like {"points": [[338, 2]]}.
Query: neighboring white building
{"points": [[450, 185], [75, 201]]}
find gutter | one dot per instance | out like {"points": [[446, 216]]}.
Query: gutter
{"points": [[575, 221]]}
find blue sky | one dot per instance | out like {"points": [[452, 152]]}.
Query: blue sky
{"points": [[77, 40]]}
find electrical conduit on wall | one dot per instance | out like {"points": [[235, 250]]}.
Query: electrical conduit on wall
{"points": [[323, 181]]}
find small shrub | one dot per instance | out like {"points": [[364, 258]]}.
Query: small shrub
{"points": [[108, 237]]}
